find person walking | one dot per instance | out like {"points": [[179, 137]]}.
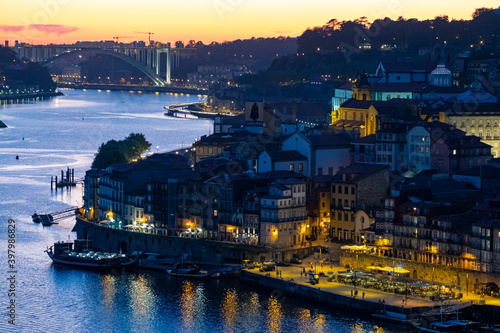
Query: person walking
{"points": [[363, 295]]}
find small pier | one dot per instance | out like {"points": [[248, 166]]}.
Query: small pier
{"points": [[53, 218], [67, 179]]}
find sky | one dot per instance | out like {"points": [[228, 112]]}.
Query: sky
{"points": [[67, 21]]}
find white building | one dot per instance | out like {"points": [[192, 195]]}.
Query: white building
{"points": [[282, 161], [325, 154]]}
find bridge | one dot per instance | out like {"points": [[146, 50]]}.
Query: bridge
{"points": [[155, 62]]}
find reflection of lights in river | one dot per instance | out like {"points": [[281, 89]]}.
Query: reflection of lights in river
{"points": [[109, 290], [274, 315], [319, 323], [229, 308], [192, 304], [311, 322], [250, 311], [358, 328], [142, 297], [186, 304]]}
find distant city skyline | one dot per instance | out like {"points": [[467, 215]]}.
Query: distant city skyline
{"points": [[67, 21]]}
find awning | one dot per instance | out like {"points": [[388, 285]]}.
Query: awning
{"points": [[373, 267]]}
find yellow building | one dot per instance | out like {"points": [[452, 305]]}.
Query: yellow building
{"points": [[364, 116]]}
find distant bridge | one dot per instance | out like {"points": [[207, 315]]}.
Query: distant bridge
{"points": [[156, 63]]}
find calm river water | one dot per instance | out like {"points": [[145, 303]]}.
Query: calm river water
{"points": [[66, 132]]}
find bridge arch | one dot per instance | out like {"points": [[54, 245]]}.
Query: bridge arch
{"points": [[157, 80]]}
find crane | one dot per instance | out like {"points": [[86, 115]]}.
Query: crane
{"points": [[149, 33], [118, 37]]}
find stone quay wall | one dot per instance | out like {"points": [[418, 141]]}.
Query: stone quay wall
{"points": [[206, 251], [467, 279], [281, 287]]}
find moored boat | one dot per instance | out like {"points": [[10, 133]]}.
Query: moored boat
{"points": [[395, 317], [64, 254], [191, 273]]}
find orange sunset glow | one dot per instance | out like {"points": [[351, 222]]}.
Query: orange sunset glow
{"points": [[66, 21]]}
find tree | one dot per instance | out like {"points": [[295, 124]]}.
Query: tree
{"points": [[126, 150], [254, 113]]}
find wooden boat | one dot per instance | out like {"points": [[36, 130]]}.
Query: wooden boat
{"points": [[190, 273], [395, 317], [451, 326], [62, 253]]}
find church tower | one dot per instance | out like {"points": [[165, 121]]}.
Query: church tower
{"points": [[362, 89]]}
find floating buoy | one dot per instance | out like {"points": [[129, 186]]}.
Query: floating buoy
{"points": [[17, 157]]}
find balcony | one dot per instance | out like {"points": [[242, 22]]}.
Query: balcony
{"points": [[288, 219]]}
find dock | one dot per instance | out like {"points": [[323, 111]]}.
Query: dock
{"points": [[52, 218], [67, 180]]}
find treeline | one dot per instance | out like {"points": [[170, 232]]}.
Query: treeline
{"points": [[410, 33], [338, 47], [255, 54], [125, 150], [21, 73]]}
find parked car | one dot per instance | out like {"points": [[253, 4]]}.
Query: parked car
{"points": [[283, 263], [323, 249], [295, 261], [270, 262], [266, 268]]}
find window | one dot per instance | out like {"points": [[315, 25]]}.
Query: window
{"points": [[200, 150], [301, 167], [340, 189], [353, 190], [292, 167]]}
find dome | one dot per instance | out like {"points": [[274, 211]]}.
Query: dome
{"points": [[441, 70], [476, 85]]}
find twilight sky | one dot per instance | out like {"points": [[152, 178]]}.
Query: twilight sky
{"points": [[59, 21]]}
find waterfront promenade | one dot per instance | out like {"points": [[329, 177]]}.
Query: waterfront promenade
{"points": [[370, 295]]}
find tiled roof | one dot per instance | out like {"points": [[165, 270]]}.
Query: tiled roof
{"points": [[360, 170], [369, 139], [398, 66], [485, 171], [289, 155], [330, 140]]}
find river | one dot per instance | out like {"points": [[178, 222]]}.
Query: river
{"points": [[66, 131]]}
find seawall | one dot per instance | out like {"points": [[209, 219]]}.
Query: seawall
{"points": [[114, 240], [326, 298]]}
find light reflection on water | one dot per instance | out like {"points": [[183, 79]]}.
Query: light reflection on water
{"points": [[67, 131], [274, 315]]}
